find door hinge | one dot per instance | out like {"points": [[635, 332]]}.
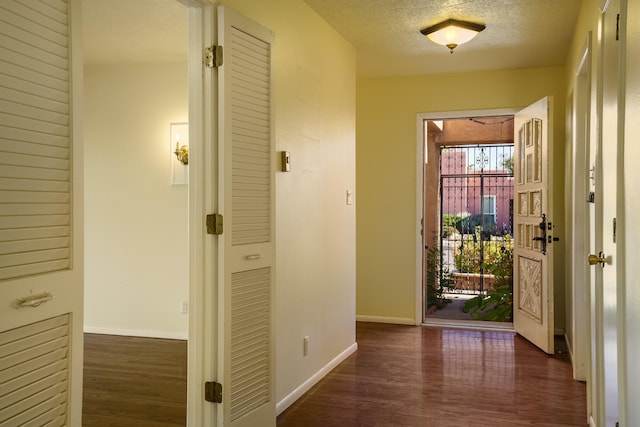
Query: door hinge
{"points": [[213, 392], [215, 224], [617, 27], [213, 56]]}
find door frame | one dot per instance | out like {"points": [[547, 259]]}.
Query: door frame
{"points": [[580, 137], [202, 348], [421, 162]]}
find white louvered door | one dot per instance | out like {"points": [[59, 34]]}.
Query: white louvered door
{"points": [[247, 247], [40, 214]]}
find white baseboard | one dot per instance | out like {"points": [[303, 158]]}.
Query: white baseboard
{"points": [[137, 333], [384, 319], [592, 422], [306, 386]]}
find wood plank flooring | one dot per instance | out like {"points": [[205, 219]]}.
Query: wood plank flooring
{"points": [[400, 376], [424, 376], [134, 382]]}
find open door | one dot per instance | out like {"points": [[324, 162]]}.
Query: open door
{"points": [[532, 217], [41, 269], [247, 245], [607, 167]]}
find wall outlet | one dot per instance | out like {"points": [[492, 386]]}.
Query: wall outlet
{"points": [[305, 346], [184, 307]]}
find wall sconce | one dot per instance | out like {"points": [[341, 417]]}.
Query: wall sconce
{"points": [[452, 33], [182, 152], [179, 153]]}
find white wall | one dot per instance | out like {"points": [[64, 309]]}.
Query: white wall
{"points": [[314, 97], [136, 268]]}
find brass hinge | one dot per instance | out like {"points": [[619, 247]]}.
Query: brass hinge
{"points": [[215, 224], [213, 392], [213, 56]]}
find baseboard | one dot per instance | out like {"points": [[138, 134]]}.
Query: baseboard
{"points": [[384, 319], [566, 340], [306, 386], [592, 422], [137, 333]]}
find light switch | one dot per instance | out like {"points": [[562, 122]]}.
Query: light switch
{"points": [[349, 197]]}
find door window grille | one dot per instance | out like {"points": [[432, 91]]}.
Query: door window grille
{"points": [[476, 211]]}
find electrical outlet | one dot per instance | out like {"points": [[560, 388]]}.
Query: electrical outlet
{"points": [[184, 307], [305, 346]]}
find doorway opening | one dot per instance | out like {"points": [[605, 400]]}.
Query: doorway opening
{"points": [[136, 207], [467, 220]]}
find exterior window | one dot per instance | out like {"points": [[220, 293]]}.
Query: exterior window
{"points": [[489, 207]]}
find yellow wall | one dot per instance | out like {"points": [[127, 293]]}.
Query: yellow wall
{"points": [[314, 95], [386, 172], [587, 23]]}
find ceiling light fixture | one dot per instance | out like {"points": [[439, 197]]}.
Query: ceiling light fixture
{"points": [[451, 33]]}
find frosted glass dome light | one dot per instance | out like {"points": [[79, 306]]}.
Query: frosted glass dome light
{"points": [[452, 33]]}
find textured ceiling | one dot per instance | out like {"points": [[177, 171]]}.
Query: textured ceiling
{"points": [[386, 33], [123, 31]]}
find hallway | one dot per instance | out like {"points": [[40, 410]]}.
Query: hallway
{"points": [[423, 376]]}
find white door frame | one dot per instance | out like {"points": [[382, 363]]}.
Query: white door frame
{"points": [[579, 318], [202, 182], [630, 385], [420, 165]]}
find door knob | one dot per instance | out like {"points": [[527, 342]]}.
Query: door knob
{"points": [[598, 259]]}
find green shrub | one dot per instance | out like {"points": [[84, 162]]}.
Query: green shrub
{"points": [[467, 259], [437, 278], [497, 304]]}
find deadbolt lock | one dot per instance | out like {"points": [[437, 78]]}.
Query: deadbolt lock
{"points": [[598, 259]]}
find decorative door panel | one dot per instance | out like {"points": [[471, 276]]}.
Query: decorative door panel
{"points": [[530, 288], [533, 266]]}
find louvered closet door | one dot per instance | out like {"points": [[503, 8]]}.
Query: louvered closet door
{"points": [[40, 219], [247, 203]]}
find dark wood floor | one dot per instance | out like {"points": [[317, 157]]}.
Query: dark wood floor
{"points": [[134, 382], [400, 376], [424, 376]]}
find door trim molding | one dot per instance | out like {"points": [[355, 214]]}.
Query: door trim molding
{"points": [[202, 312], [420, 162], [580, 133]]}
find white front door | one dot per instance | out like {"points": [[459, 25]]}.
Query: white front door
{"points": [[246, 200], [533, 216], [41, 267]]}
